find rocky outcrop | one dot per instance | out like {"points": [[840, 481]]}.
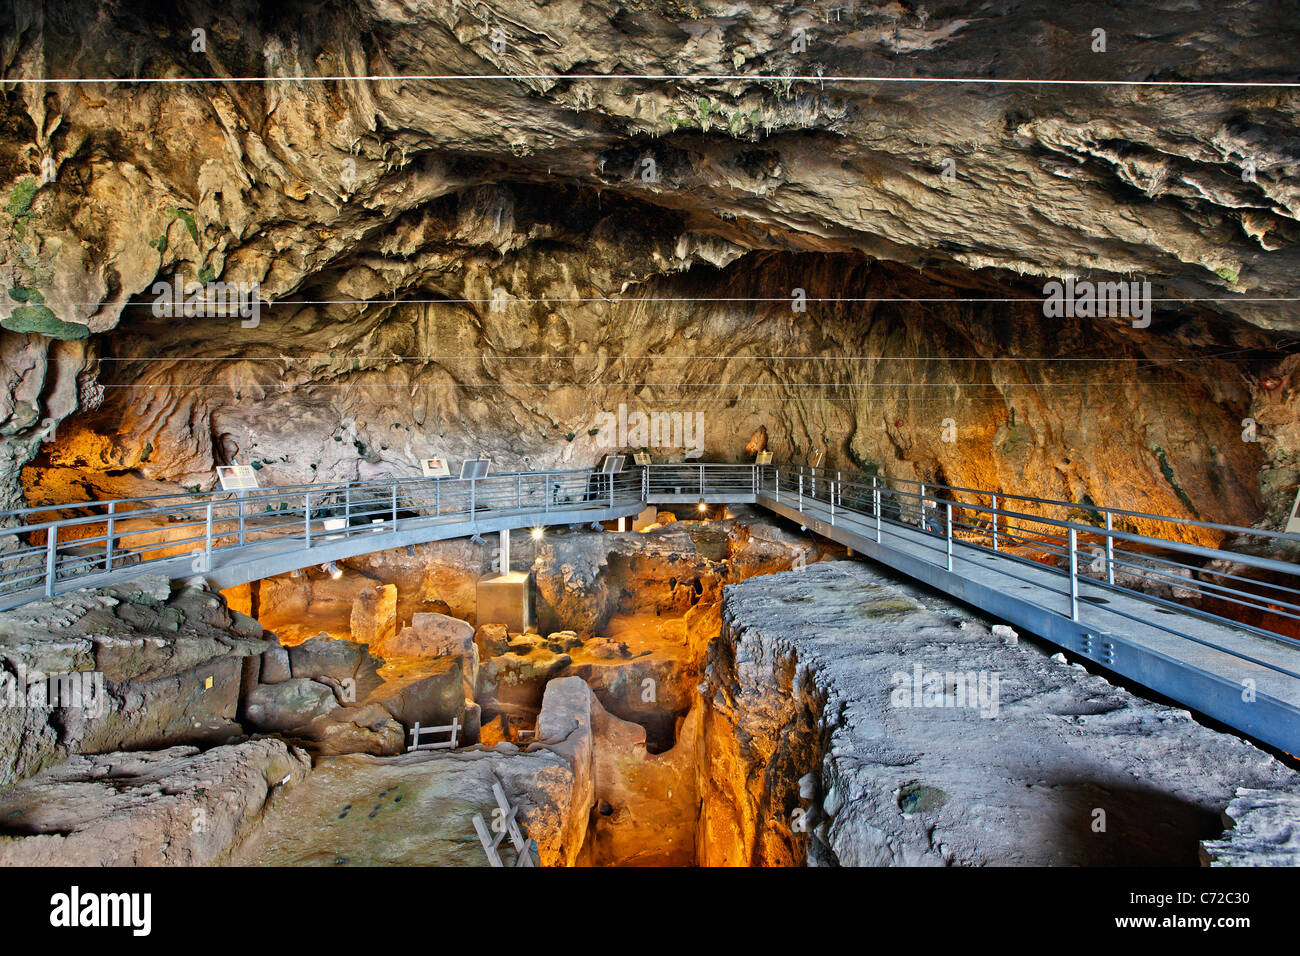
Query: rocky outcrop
{"points": [[853, 720], [1262, 831], [147, 666], [172, 807]]}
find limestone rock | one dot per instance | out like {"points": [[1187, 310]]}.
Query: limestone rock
{"points": [[348, 662], [492, 639], [288, 706], [374, 615], [174, 807], [428, 692], [417, 809]]}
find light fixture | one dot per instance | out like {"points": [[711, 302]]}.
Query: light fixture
{"points": [[332, 569], [537, 534], [703, 506]]}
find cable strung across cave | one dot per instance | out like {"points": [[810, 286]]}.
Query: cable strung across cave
{"points": [[1225, 640]]}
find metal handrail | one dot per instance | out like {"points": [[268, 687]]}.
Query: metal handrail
{"points": [[808, 484]]}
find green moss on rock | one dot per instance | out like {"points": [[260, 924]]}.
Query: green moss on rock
{"points": [[38, 319]]}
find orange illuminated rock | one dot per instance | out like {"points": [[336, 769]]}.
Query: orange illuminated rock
{"points": [[374, 614]]}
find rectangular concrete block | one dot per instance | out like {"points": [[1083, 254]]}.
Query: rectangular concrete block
{"points": [[506, 599]]}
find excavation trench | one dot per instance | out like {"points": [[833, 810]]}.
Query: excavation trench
{"points": [[668, 778]]}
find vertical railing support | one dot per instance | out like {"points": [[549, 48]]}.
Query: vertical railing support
{"points": [[1074, 576], [995, 522], [832, 497], [394, 506], [347, 506], [437, 497], [240, 497], [519, 493], [306, 517], [776, 482], [51, 556], [801, 489], [1110, 550], [948, 531], [108, 538], [207, 539], [875, 505]]}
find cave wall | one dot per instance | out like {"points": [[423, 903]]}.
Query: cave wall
{"points": [[381, 219]]}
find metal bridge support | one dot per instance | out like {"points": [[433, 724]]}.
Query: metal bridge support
{"points": [[505, 550]]}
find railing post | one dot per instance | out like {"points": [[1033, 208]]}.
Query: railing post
{"points": [[776, 482], [832, 496], [394, 506], [207, 539], [1110, 550], [1074, 576], [437, 497], [306, 517], [347, 505], [995, 522], [240, 497], [922, 500], [473, 483], [875, 494], [948, 531], [51, 548], [108, 538], [519, 493], [645, 483], [701, 480], [801, 489]]}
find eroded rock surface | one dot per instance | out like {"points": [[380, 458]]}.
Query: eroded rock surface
{"points": [[173, 807], [382, 217], [174, 663], [824, 675]]}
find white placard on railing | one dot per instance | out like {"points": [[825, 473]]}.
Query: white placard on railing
{"points": [[613, 464], [435, 467], [1293, 523], [237, 477], [641, 458], [475, 468], [764, 458]]}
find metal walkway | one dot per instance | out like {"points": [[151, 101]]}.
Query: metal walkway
{"points": [[1152, 607]]}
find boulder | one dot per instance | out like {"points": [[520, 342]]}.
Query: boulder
{"points": [[430, 635], [288, 706], [428, 693], [348, 662], [519, 680], [275, 665], [492, 639], [561, 641]]}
